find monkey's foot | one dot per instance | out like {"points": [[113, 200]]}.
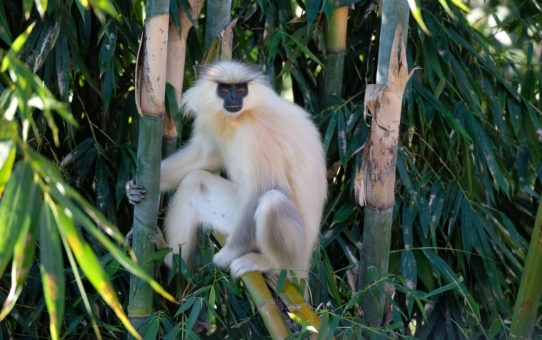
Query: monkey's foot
{"points": [[251, 262], [128, 238], [158, 239], [135, 193]]}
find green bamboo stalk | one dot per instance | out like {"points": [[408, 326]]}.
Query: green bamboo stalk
{"points": [[335, 36], [530, 289], [332, 84], [377, 184], [150, 95], [393, 12], [217, 18]]}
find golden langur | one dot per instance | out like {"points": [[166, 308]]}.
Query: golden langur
{"points": [[271, 203]]}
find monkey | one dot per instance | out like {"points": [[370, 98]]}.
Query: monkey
{"points": [[270, 204]]}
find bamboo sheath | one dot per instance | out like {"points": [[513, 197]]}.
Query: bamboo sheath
{"points": [[375, 181]]}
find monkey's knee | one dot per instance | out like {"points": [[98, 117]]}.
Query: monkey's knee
{"points": [[196, 181], [279, 228]]}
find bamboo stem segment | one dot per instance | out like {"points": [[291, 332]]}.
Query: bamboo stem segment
{"points": [[150, 88], [375, 181], [176, 50], [262, 298], [393, 12], [335, 36]]}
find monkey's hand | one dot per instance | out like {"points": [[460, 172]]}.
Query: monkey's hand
{"points": [[225, 257], [135, 193], [158, 239]]}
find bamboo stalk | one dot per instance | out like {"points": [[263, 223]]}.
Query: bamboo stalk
{"points": [[295, 302], [335, 36], [332, 84], [150, 93], [176, 50], [530, 289], [393, 12], [375, 181], [262, 298]]}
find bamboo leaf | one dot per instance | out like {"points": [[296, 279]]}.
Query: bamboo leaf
{"points": [[410, 273], [425, 271], [15, 209], [313, 6], [62, 56], [274, 45], [324, 320], [341, 132], [328, 7], [52, 268], [305, 50], [194, 313], [151, 331], [91, 266], [330, 131], [460, 5], [185, 6], [45, 44], [172, 108], [107, 48], [417, 14], [105, 6], [89, 226], [159, 254], [102, 187], [23, 256], [8, 132], [5, 33], [282, 280]]}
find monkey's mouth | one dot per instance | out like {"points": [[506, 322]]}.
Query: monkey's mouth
{"points": [[233, 108]]}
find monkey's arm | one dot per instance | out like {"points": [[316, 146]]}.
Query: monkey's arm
{"points": [[199, 154]]}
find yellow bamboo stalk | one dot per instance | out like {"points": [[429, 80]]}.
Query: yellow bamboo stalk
{"points": [[176, 56]]}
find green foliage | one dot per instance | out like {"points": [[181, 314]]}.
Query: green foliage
{"points": [[468, 171]]}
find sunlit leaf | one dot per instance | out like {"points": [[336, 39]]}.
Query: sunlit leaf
{"points": [[52, 267], [91, 266], [16, 208]]}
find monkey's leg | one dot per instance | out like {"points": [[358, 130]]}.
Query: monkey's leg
{"points": [[279, 237], [202, 198]]}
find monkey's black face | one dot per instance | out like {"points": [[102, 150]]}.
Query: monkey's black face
{"points": [[233, 95]]}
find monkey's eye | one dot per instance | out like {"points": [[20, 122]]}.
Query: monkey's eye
{"points": [[241, 88], [224, 88]]}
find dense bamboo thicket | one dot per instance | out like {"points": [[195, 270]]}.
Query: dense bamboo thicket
{"points": [[467, 174]]}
